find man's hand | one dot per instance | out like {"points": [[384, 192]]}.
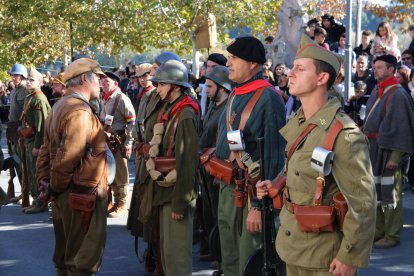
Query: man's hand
{"points": [[339, 269], [176, 216], [262, 188], [128, 151], [254, 221], [44, 195], [391, 165], [35, 152]]}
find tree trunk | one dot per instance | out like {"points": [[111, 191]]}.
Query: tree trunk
{"points": [[292, 23], [196, 57]]}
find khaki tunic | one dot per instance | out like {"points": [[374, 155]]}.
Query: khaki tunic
{"points": [[351, 174], [124, 115], [17, 97]]}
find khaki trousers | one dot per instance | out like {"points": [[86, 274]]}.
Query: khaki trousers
{"points": [[77, 253], [120, 184]]}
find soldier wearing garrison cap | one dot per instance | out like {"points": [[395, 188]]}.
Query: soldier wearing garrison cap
{"points": [[240, 226], [71, 171], [324, 251], [119, 106], [35, 111]]}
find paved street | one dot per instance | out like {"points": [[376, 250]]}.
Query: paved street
{"points": [[27, 242]]}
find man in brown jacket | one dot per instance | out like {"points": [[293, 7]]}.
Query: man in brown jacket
{"points": [[72, 170]]}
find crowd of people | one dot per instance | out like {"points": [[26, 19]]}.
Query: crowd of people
{"points": [[198, 171]]}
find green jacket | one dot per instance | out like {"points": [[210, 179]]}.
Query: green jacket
{"points": [[17, 99], [351, 174], [186, 147], [36, 108]]}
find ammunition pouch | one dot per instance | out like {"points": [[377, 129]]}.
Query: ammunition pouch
{"points": [[26, 132], [205, 158], [276, 192], [165, 164], [85, 204], [223, 170], [240, 194], [341, 208], [315, 218]]}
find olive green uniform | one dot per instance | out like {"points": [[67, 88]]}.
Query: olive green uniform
{"points": [[312, 253], [36, 110], [176, 235]]}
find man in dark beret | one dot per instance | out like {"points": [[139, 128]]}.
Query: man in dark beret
{"points": [[240, 226], [389, 127]]}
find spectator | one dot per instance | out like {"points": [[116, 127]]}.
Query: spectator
{"points": [[356, 102], [366, 44], [312, 24], [403, 76], [320, 36], [279, 68], [333, 28], [407, 59], [124, 80], [411, 84], [269, 40], [385, 41], [363, 73], [283, 83], [411, 33]]}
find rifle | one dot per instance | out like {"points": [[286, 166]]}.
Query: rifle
{"points": [[265, 261], [9, 164], [25, 184]]}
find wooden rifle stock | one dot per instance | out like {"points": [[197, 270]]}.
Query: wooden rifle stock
{"points": [[25, 184]]}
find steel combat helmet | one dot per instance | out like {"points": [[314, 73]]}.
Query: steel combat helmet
{"points": [[220, 75], [173, 72]]}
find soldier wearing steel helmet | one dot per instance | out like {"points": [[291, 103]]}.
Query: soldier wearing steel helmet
{"points": [[175, 137], [18, 73]]}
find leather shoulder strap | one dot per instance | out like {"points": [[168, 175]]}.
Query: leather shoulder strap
{"points": [[247, 111], [116, 103], [173, 130], [298, 140]]}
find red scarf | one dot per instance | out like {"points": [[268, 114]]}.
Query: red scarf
{"points": [[109, 94], [251, 86], [388, 82], [145, 90], [186, 101]]}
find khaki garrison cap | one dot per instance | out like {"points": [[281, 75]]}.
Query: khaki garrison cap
{"points": [[143, 68], [309, 49], [34, 73], [58, 79], [81, 66]]}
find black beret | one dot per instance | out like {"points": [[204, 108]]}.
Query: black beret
{"points": [[112, 76], [218, 58], [248, 48], [388, 59]]}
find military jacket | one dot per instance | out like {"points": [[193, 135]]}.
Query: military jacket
{"points": [[210, 124], [17, 97], [124, 114], [36, 108], [186, 147], [351, 174]]}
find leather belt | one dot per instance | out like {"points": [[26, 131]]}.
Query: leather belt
{"points": [[290, 206]]}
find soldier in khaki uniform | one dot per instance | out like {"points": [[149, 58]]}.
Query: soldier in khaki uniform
{"points": [[336, 252], [35, 111], [118, 105]]}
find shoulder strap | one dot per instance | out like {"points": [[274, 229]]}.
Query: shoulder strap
{"points": [[26, 107], [116, 103], [247, 111], [173, 130], [298, 140], [329, 143], [389, 94]]}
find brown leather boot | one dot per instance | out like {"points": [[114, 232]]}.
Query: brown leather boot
{"points": [[119, 210], [37, 209]]}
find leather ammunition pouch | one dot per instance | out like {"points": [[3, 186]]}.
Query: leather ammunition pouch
{"points": [[315, 218], [165, 164], [205, 158], [26, 132], [223, 170], [341, 208], [85, 204], [276, 192], [240, 194]]}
